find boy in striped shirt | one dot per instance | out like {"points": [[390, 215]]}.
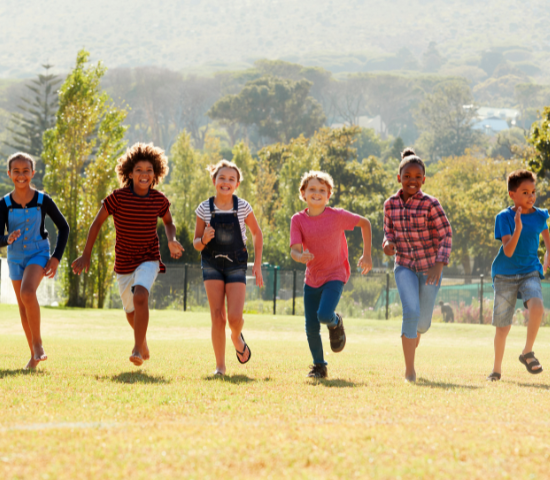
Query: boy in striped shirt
{"points": [[135, 209]]}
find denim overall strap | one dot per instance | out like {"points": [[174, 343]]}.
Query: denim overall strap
{"points": [[7, 199], [28, 221]]}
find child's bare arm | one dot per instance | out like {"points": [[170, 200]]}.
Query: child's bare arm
{"points": [[175, 247], [82, 263], [299, 256], [365, 262], [546, 238], [258, 240], [510, 242]]}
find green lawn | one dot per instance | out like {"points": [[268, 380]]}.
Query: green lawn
{"points": [[89, 413]]}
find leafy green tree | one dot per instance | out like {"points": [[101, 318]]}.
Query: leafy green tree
{"points": [[275, 109], [36, 115], [445, 119], [80, 154]]}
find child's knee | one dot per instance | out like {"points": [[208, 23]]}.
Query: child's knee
{"points": [[234, 319], [141, 296], [28, 295], [502, 331], [218, 318], [326, 317], [535, 306]]}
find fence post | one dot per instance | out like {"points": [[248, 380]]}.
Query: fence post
{"points": [[481, 299], [185, 289], [294, 292], [387, 295], [275, 291]]}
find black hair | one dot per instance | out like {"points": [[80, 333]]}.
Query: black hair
{"points": [[517, 177], [409, 156]]}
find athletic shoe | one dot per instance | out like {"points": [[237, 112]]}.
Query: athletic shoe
{"points": [[337, 335], [318, 370]]}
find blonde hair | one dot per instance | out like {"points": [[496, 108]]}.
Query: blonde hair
{"points": [[322, 177], [20, 156], [215, 169], [142, 152]]}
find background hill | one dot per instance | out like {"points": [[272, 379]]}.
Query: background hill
{"points": [[342, 36]]}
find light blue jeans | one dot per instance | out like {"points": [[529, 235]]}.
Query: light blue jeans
{"points": [[417, 298]]}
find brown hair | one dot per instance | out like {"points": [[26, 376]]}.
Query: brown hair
{"points": [[408, 156], [517, 177], [20, 156], [215, 169], [323, 177], [142, 152]]}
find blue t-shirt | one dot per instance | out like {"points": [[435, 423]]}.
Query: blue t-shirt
{"points": [[525, 259]]}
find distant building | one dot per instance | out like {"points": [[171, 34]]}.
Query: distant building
{"points": [[493, 120], [375, 123]]}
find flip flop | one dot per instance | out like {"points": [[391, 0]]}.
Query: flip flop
{"points": [[529, 365], [493, 377], [244, 351]]}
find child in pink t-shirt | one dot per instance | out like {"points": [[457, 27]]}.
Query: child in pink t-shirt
{"points": [[317, 239]]}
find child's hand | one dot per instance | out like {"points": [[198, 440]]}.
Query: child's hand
{"points": [[81, 264], [389, 249], [51, 267], [257, 271], [305, 256], [176, 250], [517, 219], [14, 236], [365, 263], [208, 234], [434, 274]]}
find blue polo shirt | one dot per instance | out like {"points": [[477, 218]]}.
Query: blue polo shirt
{"points": [[525, 258]]}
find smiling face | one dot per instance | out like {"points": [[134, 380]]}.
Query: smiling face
{"points": [[316, 194], [21, 173], [411, 179], [226, 181], [142, 175], [525, 196]]}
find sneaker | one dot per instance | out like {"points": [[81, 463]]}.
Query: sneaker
{"points": [[337, 335], [318, 370]]}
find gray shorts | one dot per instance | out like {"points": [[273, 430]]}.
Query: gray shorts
{"points": [[510, 288]]}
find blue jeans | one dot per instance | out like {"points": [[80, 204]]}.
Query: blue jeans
{"points": [[418, 300], [319, 305]]}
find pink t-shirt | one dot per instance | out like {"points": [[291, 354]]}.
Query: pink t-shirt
{"points": [[324, 236]]}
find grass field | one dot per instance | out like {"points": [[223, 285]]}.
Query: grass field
{"points": [[89, 413]]}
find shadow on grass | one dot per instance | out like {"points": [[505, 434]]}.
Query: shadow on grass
{"points": [[336, 383], [422, 382], [134, 377], [235, 378], [20, 371], [542, 386]]}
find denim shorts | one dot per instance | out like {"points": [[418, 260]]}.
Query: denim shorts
{"points": [[508, 289], [19, 259], [227, 268]]}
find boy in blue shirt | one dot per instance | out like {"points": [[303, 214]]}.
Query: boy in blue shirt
{"points": [[517, 270]]}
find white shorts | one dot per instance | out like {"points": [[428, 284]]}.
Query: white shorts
{"points": [[144, 276]]}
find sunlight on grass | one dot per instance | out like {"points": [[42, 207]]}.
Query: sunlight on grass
{"points": [[89, 413]]}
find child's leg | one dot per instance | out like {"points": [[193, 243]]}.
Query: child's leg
{"points": [[312, 300], [427, 295], [141, 319], [145, 350], [536, 311], [500, 344], [330, 296], [25, 292], [215, 291], [236, 293], [409, 291]]}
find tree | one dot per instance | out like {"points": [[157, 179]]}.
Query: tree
{"points": [[80, 154], [36, 115], [432, 59], [445, 119], [275, 109]]}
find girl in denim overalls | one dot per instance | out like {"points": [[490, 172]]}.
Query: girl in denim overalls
{"points": [[22, 213], [220, 237]]}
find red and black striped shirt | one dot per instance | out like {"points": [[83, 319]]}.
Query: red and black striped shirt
{"points": [[136, 227]]}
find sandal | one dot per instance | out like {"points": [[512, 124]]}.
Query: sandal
{"points": [[530, 365], [493, 377], [244, 351]]}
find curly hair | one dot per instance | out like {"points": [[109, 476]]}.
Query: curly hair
{"points": [[408, 156], [21, 156], [214, 169], [516, 178], [142, 152], [322, 177]]}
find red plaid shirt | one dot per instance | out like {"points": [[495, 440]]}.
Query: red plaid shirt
{"points": [[420, 230]]}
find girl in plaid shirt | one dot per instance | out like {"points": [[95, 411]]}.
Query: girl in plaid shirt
{"points": [[418, 233]]}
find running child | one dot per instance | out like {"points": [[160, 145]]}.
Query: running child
{"points": [[135, 207], [516, 270], [418, 232], [22, 214], [220, 236], [317, 238]]}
